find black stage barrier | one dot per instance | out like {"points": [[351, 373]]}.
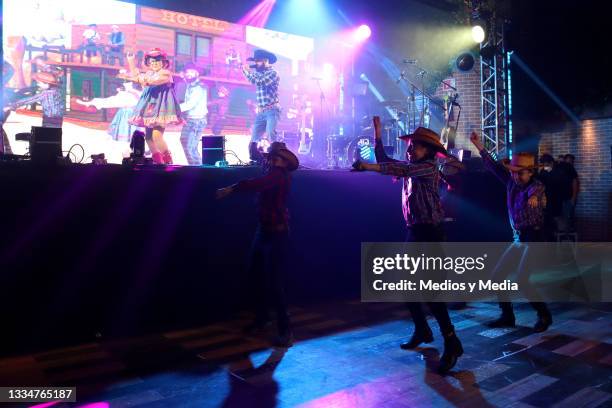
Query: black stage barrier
{"points": [[89, 251]]}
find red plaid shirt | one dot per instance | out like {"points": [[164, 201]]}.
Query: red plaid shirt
{"points": [[273, 189]]}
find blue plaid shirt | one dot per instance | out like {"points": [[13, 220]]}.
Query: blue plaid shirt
{"points": [[267, 87], [52, 102]]}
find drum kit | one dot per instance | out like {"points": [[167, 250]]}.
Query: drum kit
{"points": [[403, 117]]}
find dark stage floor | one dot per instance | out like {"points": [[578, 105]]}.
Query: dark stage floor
{"points": [[346, 355]]}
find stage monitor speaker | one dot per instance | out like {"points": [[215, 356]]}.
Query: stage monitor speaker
{"points": [[213, 149], [45, 144]]}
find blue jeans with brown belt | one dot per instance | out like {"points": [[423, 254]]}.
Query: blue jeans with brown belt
{"points": [[265, 122]]}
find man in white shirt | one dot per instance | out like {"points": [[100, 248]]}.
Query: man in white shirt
{"points": [[194, 111]]}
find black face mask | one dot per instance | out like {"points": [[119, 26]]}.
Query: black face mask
{"points": [[260, 68]]}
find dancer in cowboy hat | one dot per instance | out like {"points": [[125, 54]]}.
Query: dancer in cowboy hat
{"points": [[158, 106], [268, 104], [194, 111], [270, 245], [50, 97], [423, 215], [526, 202]]}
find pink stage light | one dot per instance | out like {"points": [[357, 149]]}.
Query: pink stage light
{"points": [[362, 33], [258, 15]]}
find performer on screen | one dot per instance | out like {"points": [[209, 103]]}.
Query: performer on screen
{"points": [[268, 104], [50, 96], [194, 110], [232, 60], [124, 101], [158, 106]]}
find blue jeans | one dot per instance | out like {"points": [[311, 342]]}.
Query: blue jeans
{"points": [[265, 122], [190, 137]]}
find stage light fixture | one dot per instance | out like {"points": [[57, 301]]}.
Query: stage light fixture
{"points": [[362, 33], [478, 34]]}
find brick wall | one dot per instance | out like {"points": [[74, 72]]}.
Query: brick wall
{"points": [[591, 143]]}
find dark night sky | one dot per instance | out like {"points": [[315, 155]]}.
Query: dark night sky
{"points": [[564, 42]]}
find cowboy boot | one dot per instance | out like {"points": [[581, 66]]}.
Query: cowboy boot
{"points": [[254, 153], [453, 349], [158, 158], [418, 337], [544, 320], [167, 157]]}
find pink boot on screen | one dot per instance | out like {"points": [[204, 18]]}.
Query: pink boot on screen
{"points": [[167, 157], [158, 158]]}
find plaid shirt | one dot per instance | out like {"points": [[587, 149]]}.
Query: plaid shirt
{"points": [[267, 87], [273, 189], [521, 215], [420, 198], [52, 104]]}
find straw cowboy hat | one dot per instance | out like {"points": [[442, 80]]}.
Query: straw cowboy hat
{"points": [[520, 161], [45, 77], [280, 149], [428, 137], [259, 55]]}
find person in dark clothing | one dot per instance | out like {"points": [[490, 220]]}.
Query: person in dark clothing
{"points": [[423, 215], [271, 242], [526, 201], [570, 190], [553, 177]]}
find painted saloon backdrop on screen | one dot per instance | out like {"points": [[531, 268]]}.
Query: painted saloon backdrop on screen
{"points": [[75, 50]]}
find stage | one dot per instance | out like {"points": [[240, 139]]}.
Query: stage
{"points": [[109, 250]]}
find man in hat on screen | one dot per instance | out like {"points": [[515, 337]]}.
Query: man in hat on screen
{"points": [[423, 215], [526, 202], [267, 81], [50, 97], [194, 111], [270, 245]]}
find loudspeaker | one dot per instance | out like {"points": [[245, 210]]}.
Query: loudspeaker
{"points": [[45, 144], [213, 149]]}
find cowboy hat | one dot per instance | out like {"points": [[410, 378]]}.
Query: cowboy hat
{"points": [[191, 66], [428, 137], [259, 55], [45, 77], [157, 53], [520, 161], [280, 149]]}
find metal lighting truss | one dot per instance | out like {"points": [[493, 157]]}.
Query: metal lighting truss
{"points": [[494, 93]]}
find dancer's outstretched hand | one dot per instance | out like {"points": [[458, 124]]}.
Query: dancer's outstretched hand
{"points": [[475, 139]]}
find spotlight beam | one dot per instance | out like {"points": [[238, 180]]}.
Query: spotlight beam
{"points": [[522, 65]]}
